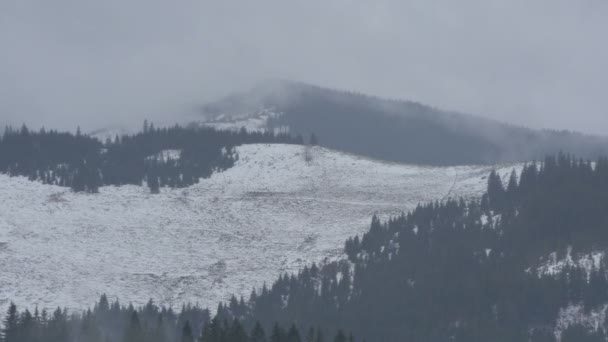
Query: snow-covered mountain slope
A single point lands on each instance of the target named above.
(272, 212)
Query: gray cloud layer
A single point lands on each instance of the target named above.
(542, 63)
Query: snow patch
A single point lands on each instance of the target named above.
(256, 122)
(490, 221)
(554, 266)
(576, 315)
(166, 155)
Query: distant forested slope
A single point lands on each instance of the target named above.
(174, 157)
(401, 131)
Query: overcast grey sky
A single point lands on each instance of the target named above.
(541, 63)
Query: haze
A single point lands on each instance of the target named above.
(98, 63)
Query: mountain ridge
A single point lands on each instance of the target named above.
(403, 131)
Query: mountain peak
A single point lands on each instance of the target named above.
(396, 130)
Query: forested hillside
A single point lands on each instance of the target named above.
(510, 266)
(173, 157)
(464, 270)
(112, 322)
(279, 208)
(400, 131)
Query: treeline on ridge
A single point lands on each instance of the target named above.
(84, 163)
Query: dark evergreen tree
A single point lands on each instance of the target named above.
(496, 191)
(187, 335)
(313, 141)
(257, 334)
(153, 184)
(293, 335)
(278, 334)
(134, 332)
(89, 330)
(57, 327)
(10, 330)
(340, 337)
(237, 333)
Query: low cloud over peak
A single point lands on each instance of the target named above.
(94, 63)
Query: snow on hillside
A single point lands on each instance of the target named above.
(553, 265)
(258, 121)
(166, 155)
(111, 132)
(272, 212)
(593, 320)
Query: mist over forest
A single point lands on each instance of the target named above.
(303, 171)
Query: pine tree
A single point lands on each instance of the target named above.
(89, 331)
(319, 336)
(257, 333)
(512, 187)
(212, 331)
(27, 326)
(237, 332)
(153, 184)
(58, 327)
(133, 332)
(496, 191)
(159, 334)
(278, 334)
(340, 337)
(11, 324)
(293, 335)
(103, 305)
(187, 335)
(313, 141)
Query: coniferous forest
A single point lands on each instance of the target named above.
(463, 270)
(84, 163)
(457, 270)
(110, 321)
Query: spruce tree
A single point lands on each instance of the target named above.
(310, 336)
(187, 335)
(237, 333)
(10, 330)
(313, 141)
(133, 331)
(257, 333)
(496, 191)
(319, 336)
(153, 184)
(278, 334)
(293, 335)
(340, 337)
(159, 333)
